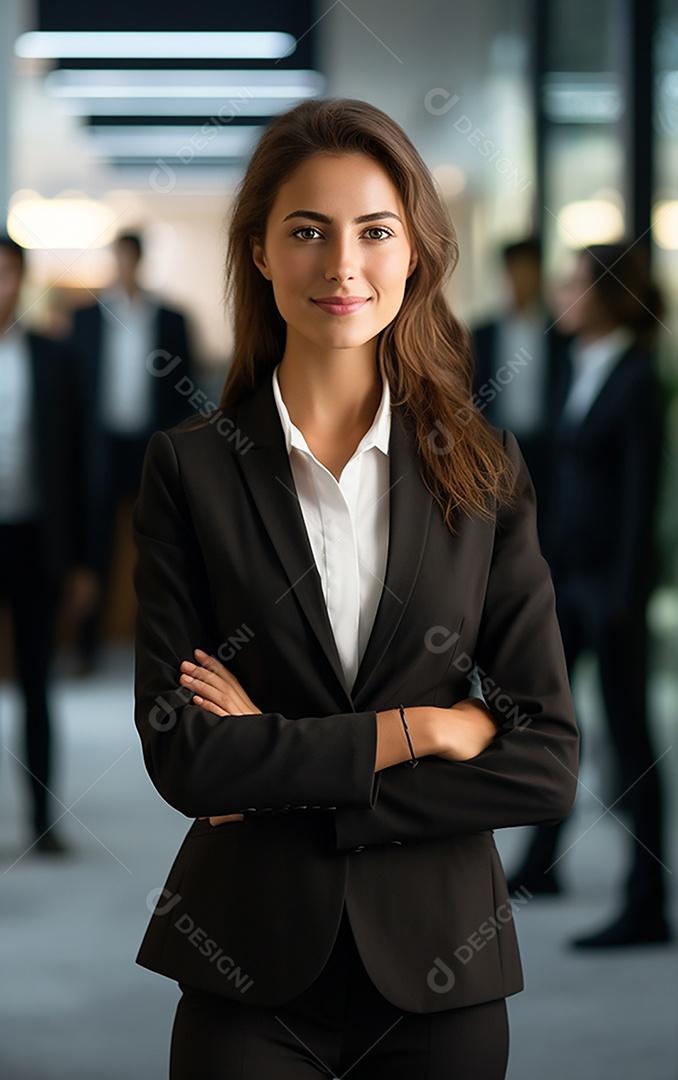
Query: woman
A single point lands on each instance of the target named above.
(322, 562)
(599, 538)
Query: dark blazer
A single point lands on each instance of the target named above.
(170, 336)
(225, 564)
(169, 405)
(605, 482)
(58, 451)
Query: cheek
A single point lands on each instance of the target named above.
(292, 269)
(391, 269)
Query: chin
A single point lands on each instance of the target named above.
(342, 340)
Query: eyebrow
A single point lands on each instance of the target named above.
(313, 215)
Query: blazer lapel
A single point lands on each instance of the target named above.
(266, 469)
(409, 518)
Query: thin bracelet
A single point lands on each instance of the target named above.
(414, 760)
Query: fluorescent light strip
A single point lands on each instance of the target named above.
(226, 90)
(73, 82)
(228, 106)
(172, 143)
(143, 44)
(123, 92)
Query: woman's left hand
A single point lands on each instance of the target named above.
(217, 691)
(214, 688)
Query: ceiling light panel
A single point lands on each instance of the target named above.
(161, 44)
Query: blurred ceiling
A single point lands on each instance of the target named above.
(165, 78)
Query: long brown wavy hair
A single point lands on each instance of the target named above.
(425, 351)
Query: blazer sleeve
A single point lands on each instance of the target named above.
(200, 763)
(528, 773)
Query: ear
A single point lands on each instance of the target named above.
(414, 259)
(259, 257)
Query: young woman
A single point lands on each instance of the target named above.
(323, 563)
(599, 537)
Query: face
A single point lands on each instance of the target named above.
(337, 252)
(11, 273)
(127, 259)
(524, 276)
(577, 305)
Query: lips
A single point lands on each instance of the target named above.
(341, 305)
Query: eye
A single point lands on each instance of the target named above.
(303, 232)
(378, 232)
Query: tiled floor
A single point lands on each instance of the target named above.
(73, 1004)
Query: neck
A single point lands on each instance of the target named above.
(594, 333)
(7, 322)
(330, 389)
(527, 307)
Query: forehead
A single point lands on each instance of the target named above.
(356, 183)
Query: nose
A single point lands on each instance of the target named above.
(341, 260)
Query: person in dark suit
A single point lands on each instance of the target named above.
(517, 362)
(599, 539)
(126, 344)
(44, 526)
(325, 564)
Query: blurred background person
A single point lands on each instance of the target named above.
(599, 537)
(515, 376)
(43, 523)
(132, 351)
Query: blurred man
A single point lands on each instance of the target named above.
(516, 356)
(133, 352)
(44, 521)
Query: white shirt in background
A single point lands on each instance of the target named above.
(520, 405)
(128, 329)
(592, 366)
(348, 526)
(19, 497)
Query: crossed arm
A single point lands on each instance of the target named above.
(218, 751)
(458, 733)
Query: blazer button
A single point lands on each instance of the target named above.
(361, 848)
(330, 808)
(397, 842)
(300, 808)
(248, 810)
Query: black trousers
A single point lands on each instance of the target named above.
(340, 1025)
(32, 597)
(621, 648)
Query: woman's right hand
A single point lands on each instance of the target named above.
(464, 730)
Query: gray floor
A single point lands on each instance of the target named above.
(73, 1003)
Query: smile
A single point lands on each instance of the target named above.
(341, 305)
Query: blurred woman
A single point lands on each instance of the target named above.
(599, 540)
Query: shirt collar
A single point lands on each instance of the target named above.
(598, 354)
(115, 296)
(378, 434)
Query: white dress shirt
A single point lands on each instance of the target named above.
(348, 526)
(592, 366)
(521, 404)
(128, 338)
(19, 500)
